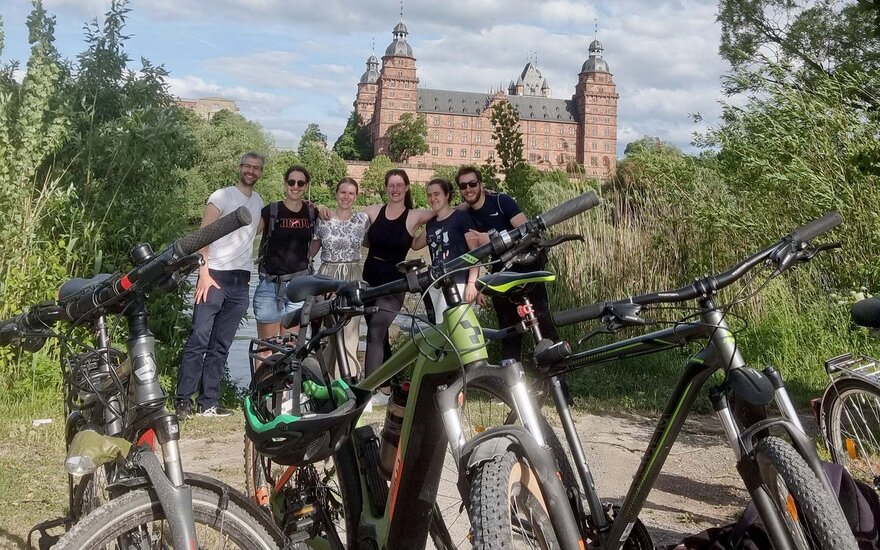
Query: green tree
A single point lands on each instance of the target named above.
(372, 185)
(508, 138)
(326, 167)
(408, 137)
(312, 135)
(769, 41)
(354, 143)
(219, 143)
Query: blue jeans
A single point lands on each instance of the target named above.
(214, 324)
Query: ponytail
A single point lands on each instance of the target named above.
(407, 200)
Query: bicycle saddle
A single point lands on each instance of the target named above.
(496, 284)
(75, 286)
(867, 313)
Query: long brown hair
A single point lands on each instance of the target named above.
(407, 199)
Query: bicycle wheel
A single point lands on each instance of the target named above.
(507, 509)
(487, 404)
(136, 520)
(852, 428)
(811, 516)
(293, 494)
(90, 492)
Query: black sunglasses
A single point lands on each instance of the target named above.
(298, 183)
(464, 185)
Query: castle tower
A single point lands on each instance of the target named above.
(596, 100)
(397, 88)
(365, 102)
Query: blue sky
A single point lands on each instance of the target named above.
(289, 63)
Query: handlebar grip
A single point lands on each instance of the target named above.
(569, 209)
(586, 313)
(319, 311)
(809, 231)
(198, 240)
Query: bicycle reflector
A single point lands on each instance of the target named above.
(89, 449)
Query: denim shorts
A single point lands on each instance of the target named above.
(266, 304)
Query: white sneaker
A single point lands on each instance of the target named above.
(214, 411)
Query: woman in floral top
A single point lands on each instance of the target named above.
(341, 238)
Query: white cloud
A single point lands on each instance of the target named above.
(249, 101)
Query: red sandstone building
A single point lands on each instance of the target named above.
(557, 133)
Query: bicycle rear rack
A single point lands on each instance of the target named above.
(860, 366)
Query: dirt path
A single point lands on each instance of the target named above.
(698, 488)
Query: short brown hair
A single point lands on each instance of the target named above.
(469, 169)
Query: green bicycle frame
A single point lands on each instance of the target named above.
(437, 355)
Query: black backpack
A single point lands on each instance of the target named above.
(859, 501)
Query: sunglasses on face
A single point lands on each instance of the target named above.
(297, 183)
(465, 184)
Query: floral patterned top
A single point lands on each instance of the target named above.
(341, 241)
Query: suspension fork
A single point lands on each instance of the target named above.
(148, 396)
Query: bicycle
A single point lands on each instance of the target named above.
(119, 412)
(785, 480)
(849, 414)
(404, 513)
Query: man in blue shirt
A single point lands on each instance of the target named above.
(491, 210)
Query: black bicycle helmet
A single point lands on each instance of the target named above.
(325, 420)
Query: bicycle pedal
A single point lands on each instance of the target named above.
(46, 540)
(367, 442)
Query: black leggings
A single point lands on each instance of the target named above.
(378, 345)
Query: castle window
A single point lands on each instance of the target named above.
(464, 138)
(449, 151)
(607, 132)
(435, 135)
(531, 126)
(436, 121)
(476, 153)
(560, 130)
(490, 154)
(451, 122)
(595, 146)
(434, 151)
(478, 123)
(478, 138)
(464, 124)
(462, 153)
(546, 143)
(594, 161)
(607, 146)
(532, 157)
(593, 130)
(571, 130)
(533, 142)
(450, 136)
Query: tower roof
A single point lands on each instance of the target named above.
(595, 63)
(371, 75)
(531, 80)
(399, 47)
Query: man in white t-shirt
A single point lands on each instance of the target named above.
(221, 297)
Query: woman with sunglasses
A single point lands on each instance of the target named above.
(287, 228)
(340, 237)
(390, 237)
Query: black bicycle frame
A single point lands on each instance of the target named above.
(720, 353)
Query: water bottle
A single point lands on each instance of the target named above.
(392, 427)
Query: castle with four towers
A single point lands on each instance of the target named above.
(557, 133)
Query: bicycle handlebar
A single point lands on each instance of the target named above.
(19, 330)
(501, 244)
(712, 283)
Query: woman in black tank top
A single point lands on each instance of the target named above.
(390, 237)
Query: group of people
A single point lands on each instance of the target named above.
(294, 230)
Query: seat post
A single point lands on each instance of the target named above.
(526, 312)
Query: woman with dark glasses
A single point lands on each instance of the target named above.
(288, 228)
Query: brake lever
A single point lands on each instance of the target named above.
(556, 241)
(811, 252)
